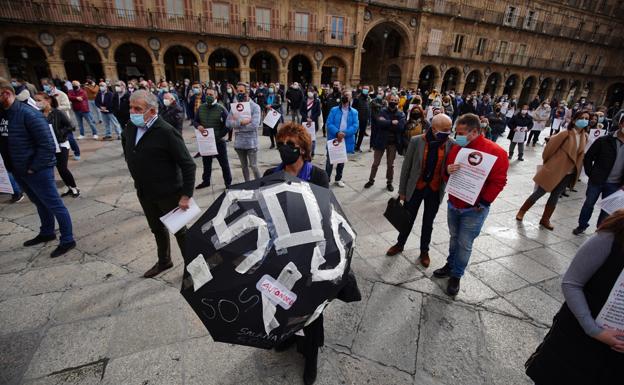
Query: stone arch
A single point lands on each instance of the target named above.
(300, 69)
(386, 43)
(223, 64)
(133, 61)
(511, 85)
(334, 68)
(615, 93)
(82, 59)
(180, 63)
(451, 79)
(168, 44)
(26, 59)
(573, 90)
(526, 92)
(264, 67)
(473, 80)
(560, 88)
(544, 88)
(401, 28)
(492, 83)
(428, 78)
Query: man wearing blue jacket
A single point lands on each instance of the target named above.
(28, 151)
(342, 124)
(104, 104)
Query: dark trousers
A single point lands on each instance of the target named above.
(222, 158)
(41, 191)
(61, 167)
(361, 133)
(330, 167)
(591, 197)
(153, 210)
(534, 136)
(432, 203)
(554, 194)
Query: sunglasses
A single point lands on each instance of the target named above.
(290, 144)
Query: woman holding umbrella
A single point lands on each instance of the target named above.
(295, 148)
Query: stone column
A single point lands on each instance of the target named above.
(461, 83)
(316, 77)
(244, 74)
(357, 53)
(57, 68)
(204, 72)
(110, 70)
(283, 75)
(437, 83)
(4, 68)
(500, 86)
(550, 90)
(159, 70)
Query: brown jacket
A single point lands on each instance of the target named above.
(92, 91)
(560, 156)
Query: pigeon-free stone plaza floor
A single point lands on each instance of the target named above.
(90, 318)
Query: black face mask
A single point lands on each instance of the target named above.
(240, 97)
(288, 153)
(75, 88)
(497, 110)
(344, 100)
(393, 105)
(336, 90)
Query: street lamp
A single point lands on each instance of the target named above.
(300, 67)
(385, 34)
(132, 57)
(80, 54)
(180, 59)
(224, 62)
(24, 53)
(427, 75)
(264, 64)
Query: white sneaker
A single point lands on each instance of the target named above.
(80, 137)
(339, 183)
(95, 137)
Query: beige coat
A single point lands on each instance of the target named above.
(560, 156)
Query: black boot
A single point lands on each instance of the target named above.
(310, 368)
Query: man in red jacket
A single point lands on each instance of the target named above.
(465, 220)
(80, 104)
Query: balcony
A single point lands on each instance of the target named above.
(47, 12)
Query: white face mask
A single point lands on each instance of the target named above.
(310, 95)
(117, 88)
(167, 102)
(103, 89)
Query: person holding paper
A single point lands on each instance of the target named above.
(273, 102)
(342, 124)
(604, 165)
(580, 349)
(563, 159)
(29, 153)
(465, 220)
(246, 129)
(310, 112)
(162, 169)
(388, 138)
(213, 115)
(62, 126)
(519, 124)
(540, 117)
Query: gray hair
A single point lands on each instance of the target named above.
(243, 84)
(150, 99)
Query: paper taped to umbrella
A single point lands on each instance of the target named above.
(266, 259)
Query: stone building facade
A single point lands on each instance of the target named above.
(555, 48)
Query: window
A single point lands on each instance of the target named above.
(221, 13)
(459, 43)
(501, 51)
(581, 25)
(75, 4)
(569, 61)
(175, 7)
(481, 44)
(598, 63)
(520, 54)
(530, 20)
(337, 27)
(125, 8)
(595, 31)
(584, 62)
(263, 19)
(302, 25)
(435, 37)
(511, 16)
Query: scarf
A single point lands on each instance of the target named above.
(304, 174)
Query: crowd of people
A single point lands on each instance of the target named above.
(428, 129)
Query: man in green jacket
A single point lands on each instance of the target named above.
(213, 115)
(162, 169)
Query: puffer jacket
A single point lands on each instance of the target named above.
(31, 146)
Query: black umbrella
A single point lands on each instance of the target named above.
(265, 259)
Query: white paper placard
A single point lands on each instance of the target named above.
(206, 142)
(337, 151)
(5, 182)
(538, 126)
(611, 315)
(466, 183)
(594, 134)
(199, 271)
(556, 124)
(241, 110)
(311, 129)
(272, 118)
(613, 202)
(177, 218)
(519, 135)
(56, 145)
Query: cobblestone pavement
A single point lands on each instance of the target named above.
(90, 318)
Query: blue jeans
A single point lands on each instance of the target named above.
(73, 144)
(329, 167)
(16, 188)
(109, 120)
(222, 158)
(591, 197)
(95, 111)
(87, 116)
(41, 191)
(464, 226)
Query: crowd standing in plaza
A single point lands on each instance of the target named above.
(430, 129)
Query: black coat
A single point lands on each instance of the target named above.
(600, 158)
(61, 125)
(362, 105)
(497, 123)
(174, 115)
(295, 96)
(519, 121)
(159, 163)
(120, 107)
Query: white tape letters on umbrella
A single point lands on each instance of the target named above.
(288, 277)
(337, 220)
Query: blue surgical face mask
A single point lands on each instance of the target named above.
(461, 140)
(137, 120)
(581, 123)
(365, 92)
(47, 88)
(600, 119)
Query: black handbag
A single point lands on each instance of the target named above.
(398, 215)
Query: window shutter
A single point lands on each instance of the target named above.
(313, 22)
(251, 15)
(234, 13)
(188, 7)
(347, 29)
(138, 4)
(328, 26)
(160, 6)
(435, 37)
(291, 24)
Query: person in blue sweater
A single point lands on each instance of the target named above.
(28, 151)
(342, 124)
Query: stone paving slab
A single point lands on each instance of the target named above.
(90, 318)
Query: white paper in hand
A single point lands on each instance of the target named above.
(177, 218)
(613, 202)
(272, 118)
(5, 183)
(311, 129)
(337, 151)
(594, 134)
(611, 315)
(56, 145)
(467, 182)
(206, 143)
(519, 135)
(241, 110)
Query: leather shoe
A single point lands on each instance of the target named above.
(394, 250)
(578, 230)
(424, 258)
(453, 286)
(157, 269)
(443, 272)
(62, 249)
(202, 185)
(390, 187)
(369, 184)
(40, 239)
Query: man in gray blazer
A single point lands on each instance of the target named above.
(422, 179)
